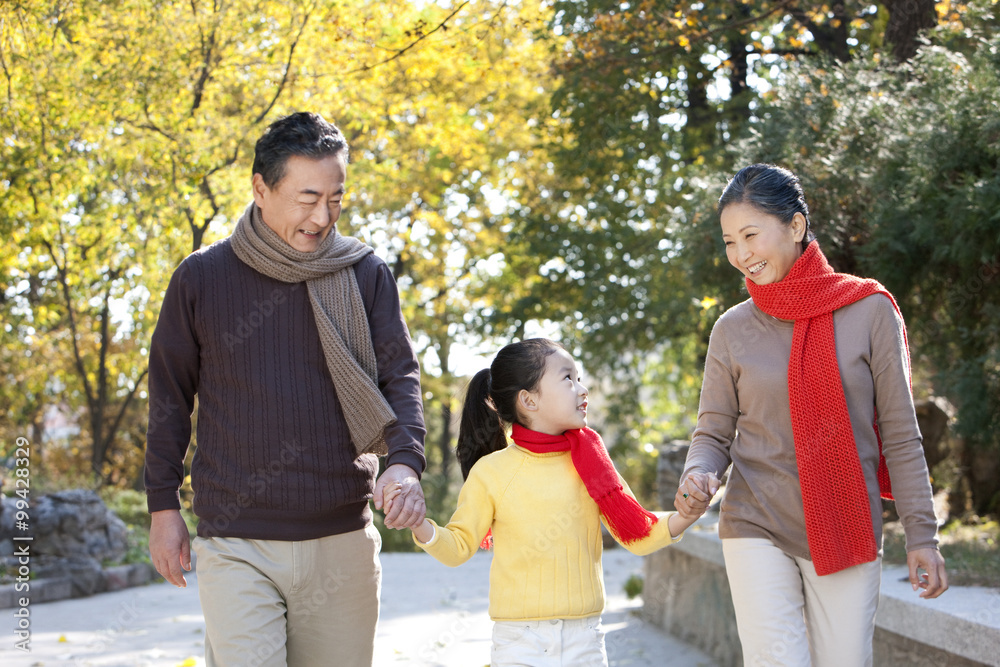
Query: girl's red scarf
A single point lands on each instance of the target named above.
(834, 495)
(625, 516)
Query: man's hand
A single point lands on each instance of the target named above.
(407, 509)
(934, 579)
(170, 546)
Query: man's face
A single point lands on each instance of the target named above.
(304, 205)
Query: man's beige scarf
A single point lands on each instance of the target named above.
(340, 317)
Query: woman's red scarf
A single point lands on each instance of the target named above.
(834, 495)
(625, 516)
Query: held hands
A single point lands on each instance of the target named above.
(691, 500)
(424, 530)
(407, 509)
(695, 493)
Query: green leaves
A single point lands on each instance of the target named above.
(900, 167)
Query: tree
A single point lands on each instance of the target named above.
(127, 130)
(652, 96)
(437, 144)
(66, 209)
(899, 164)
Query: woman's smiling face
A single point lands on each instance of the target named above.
(760, 245)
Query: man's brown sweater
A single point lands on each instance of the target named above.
(274, 458)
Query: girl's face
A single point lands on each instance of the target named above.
(559, 402)
(758, 244)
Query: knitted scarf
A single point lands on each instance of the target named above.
(625, 516)
(340, 317)
(834, 495)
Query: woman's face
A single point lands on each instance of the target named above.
(758, 244)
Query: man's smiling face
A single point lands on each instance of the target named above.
(303, 207)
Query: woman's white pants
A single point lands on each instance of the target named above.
(787, 615)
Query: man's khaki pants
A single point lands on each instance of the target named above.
(269, 602)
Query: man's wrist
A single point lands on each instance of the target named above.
(408, 459)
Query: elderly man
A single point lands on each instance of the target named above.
(291, 337)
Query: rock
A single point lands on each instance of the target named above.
(933, 417)
(669, 468)
(85, 573)
(77, 523)
(74, 535)
(7, 509)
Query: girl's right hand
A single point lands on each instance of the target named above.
(695, 493)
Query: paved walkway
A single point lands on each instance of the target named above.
(432, 616)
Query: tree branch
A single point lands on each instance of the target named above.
(399, 53)
(78, 358)
(206, 69)
(121, 413)
(704, 34)
(288, 69)
(7, 75)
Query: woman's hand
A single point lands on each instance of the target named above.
(933, 579)
(695, 493)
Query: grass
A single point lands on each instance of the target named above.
(633, 586)
(971, 550)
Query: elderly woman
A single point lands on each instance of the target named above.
(807, 394)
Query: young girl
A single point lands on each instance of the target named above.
(543, 499)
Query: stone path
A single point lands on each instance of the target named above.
(432, 616)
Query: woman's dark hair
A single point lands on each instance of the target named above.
(771, 189)
(491, 398)
(303, 133)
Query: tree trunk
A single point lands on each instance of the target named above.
(444, 442)
(700, 130)
(831, 36)
(738, 105)
(907, 18)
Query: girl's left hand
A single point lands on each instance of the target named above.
(695, 493)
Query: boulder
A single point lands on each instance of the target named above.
(669, 467)
(74, 535)
(76, 523)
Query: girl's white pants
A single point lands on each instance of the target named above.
(571, 642)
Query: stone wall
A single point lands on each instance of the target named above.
(77, 546)
(686, 593)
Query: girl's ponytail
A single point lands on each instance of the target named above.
(481, 431)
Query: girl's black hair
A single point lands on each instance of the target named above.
(771, 189)
(491, 398)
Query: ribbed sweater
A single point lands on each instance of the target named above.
(744, 418)
(547, 540)
(274, 458)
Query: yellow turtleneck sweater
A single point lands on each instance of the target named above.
(546, 535)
